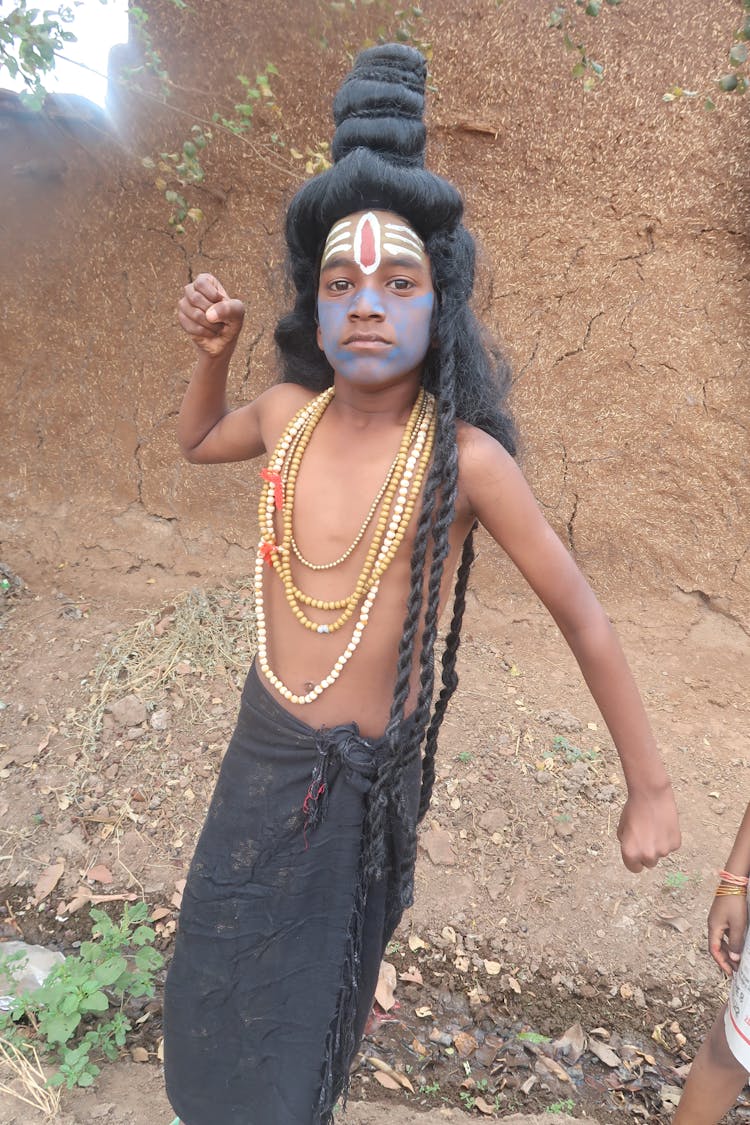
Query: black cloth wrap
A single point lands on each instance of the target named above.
(281, 935)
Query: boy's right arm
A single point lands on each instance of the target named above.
(207, 430)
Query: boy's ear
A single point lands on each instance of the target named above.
(319, 337)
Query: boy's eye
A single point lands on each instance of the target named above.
(401, 283)
(340, 285)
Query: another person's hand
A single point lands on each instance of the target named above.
(649, 828)
(727, 923)
(211, 318)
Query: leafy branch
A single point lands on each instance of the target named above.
(30, 43)
(560, 19)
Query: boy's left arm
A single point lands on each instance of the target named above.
(502, 501)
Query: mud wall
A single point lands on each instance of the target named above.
(615, 269)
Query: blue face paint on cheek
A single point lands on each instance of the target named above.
(411, 320)
(406, 323)
(332, 319)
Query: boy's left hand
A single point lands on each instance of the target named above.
(649, 828)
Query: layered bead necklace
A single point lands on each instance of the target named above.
(396, 499)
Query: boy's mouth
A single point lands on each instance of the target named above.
(366, 339)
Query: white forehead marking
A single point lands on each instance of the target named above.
(344, 224)
(335, 239)
(404, 230)
(402, 240)
(398, 250)
(372, 220)
(342, 246)
(338, 241)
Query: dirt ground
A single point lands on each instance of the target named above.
(519, 865)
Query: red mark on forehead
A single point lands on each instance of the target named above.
(367, 244)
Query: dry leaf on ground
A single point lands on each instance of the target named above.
(386, 986)
(411, 976)
(100, 874)
(48, 880)
(484, 1107)
(604, 1053)
(384, 1069)
(571, 1044)
(545, 1067)
(387, 1081)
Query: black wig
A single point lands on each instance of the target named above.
(378, 151)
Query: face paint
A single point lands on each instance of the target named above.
(367, 238)
(375, 318)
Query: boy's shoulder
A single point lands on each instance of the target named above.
(475, 445)
(280, 403)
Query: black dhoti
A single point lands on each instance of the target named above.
(281, 934)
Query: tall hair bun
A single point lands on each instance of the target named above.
(380, 106)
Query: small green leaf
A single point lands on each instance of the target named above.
(60, 1028)
(108, 972)
(578, 70)
(594, 7)
(709, 104)
(738, 54)
(728, 83)
(96, 1002)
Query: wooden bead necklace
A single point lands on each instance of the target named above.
(398, 496)
(368, 518)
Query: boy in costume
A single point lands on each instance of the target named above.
(388, 441)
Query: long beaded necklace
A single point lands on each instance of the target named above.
(398, 496)
(411, 429)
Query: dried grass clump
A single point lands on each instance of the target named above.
(202, 632)
(27, 1081)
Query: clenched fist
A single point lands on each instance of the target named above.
(211, 318)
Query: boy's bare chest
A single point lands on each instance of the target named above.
(340, 495)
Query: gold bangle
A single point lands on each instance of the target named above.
(723, 890)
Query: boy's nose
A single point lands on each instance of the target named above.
(366, 303)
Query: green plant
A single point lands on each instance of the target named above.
(573, 753)
(432, 1089)
(560, 20)
(467, 1098)
(532, 1037)
(562, 1105)
(465, 756)
(676, 880)
(152, 60)
(30, 42)
(79, 1009)
(183, 169)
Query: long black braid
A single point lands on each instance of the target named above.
(378, 151)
